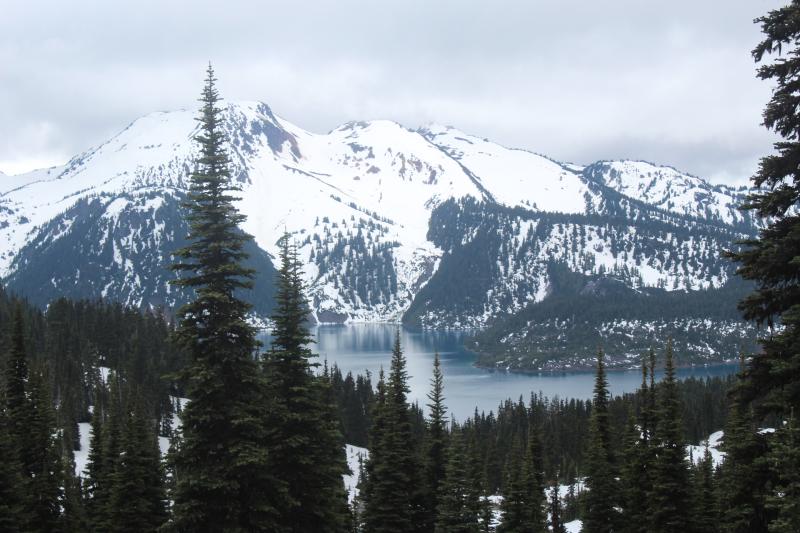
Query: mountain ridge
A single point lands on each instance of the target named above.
(359, 200)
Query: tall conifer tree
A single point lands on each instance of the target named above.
(670, 505)
(138, 500)
(772, 378)
(556, 513)
(10, 477)
(773, 374)
(533, 472)
(784, 460)
(602, 497)
(454, 513)
(392, 473)
(705, 504)
(436, 444)
(45, 484)
(307, 450)
(744, 472)
(222, 468)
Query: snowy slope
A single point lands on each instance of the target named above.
(516, 177)
(670, 189)
(358, 201)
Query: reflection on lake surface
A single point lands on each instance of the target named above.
(363, 347)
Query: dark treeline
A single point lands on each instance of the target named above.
(74, 339)
(563, 423)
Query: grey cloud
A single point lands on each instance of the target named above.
(579, 81)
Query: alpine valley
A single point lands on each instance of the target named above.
(432, 227)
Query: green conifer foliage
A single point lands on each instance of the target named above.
(44, 486)
(784, 460)
(744, 472)
(705, 504)
(556, 513)
(307, 450)
(533, 473)
(436, 443)
(393, 464)
(602, 497)
(773, 375)
(514, 507)
(670, 504)
(454, 512)
(138, 500)
(223, 478)
(635, 481)
(10, 476)
(96, 494)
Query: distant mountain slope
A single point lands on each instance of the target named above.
(390, 221)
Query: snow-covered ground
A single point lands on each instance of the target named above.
(696, 452)
(378, 179)
(355, 455)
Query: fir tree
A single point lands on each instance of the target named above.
(742, 475)
(601, 498)
(454, 513)
(307, 452)
(554, 507)
(436, 444)
(670, 506)
(73, 515)
(44, 486)
(784, 461)
(17, 404)
(533, 473)
(773, 374)
(514, 505)
(223, 478)
(138, 497)
(96, 494)
(389, 505)
(636, 482)
(705, 505)
(10, 477)
(14, 416)
(772, 378)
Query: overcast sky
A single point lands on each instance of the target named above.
(669, 82)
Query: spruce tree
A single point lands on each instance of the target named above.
(10, 477)
(556, 514)
(705, 505)
(44, 486)
(602, 495)
(744, 473)
(17, 387)
(96, 494)
(784, 461)
(533, 473)
(372, 496)
(392, 471)
(138, 500)
(454, 513)
(14, 441)
(514, 507)
(670, 504)
(436, 444)
(307, 450)
(223, 478)
(635, 478)
(772, 378)
(773, 375)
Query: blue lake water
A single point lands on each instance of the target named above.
(363, 347)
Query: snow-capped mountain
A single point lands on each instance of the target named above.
(359, 201)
